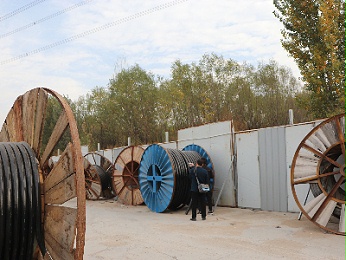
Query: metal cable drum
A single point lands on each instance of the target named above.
(40, 203)
(163, 177)
(319, 162)
(98, 172)
(125, 178)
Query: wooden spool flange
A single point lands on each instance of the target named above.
(98, 174)
(62, 183)
(125, 178)
(319, 162)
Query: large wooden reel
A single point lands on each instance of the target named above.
(320, 163)
(98, 174)
(125, 178)
(62, 183)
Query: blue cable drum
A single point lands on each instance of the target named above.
(156, 178)
(164, 176)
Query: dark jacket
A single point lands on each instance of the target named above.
(210, 172)
(202, 176)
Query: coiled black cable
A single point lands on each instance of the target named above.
(104, 178)
(20, 205)
(180, 161)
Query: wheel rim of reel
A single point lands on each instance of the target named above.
(319, 161)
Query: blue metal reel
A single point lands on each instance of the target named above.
(201, 151)
(156, 178)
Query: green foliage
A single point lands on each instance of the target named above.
(133, 98)
(140, 106)
(314, 35)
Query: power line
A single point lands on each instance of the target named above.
(44, 19)
(97, 29)
(19, 10)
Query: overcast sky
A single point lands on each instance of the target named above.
(55, 53)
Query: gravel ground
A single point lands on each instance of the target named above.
(116, 231)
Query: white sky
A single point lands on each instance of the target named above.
(241, 30)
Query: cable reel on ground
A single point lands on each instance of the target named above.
(41, 203)
(319, 162)
(125, 178)
(164, 176)
(98, 172)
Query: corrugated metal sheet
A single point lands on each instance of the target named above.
(273, 175)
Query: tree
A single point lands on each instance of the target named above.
(133, 99)
(314, 35)
(93, 118)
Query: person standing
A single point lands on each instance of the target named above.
(196, 197)
(211, 182)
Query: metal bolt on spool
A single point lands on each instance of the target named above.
(40, 203)
(319, 162)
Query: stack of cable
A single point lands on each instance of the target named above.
(20, 206)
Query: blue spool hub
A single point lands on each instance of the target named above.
(156, 178)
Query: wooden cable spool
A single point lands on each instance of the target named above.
(61, 188)
(98, 173)
(319, 164)
(125, 178)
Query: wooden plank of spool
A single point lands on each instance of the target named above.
(60, 223)
(4, 136)
(62, 169)
(39, 120)
(11, 123)
(28, 113)
(56, 251)
(62, 192)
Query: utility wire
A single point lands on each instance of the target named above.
(19, 10)
(97, 29)
(44, 19)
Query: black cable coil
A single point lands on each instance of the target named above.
(20, 204)
(180, 161)
(104, 177)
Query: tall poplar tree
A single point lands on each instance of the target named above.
(314, 35)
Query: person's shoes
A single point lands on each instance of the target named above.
(192, 219)
(203, 218)
(210, 213)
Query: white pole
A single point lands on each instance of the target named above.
(167, 138)
(290, 116)
(98, 147)
(128, 141)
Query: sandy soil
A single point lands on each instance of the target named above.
(116, 231)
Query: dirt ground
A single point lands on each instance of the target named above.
(116, 231)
